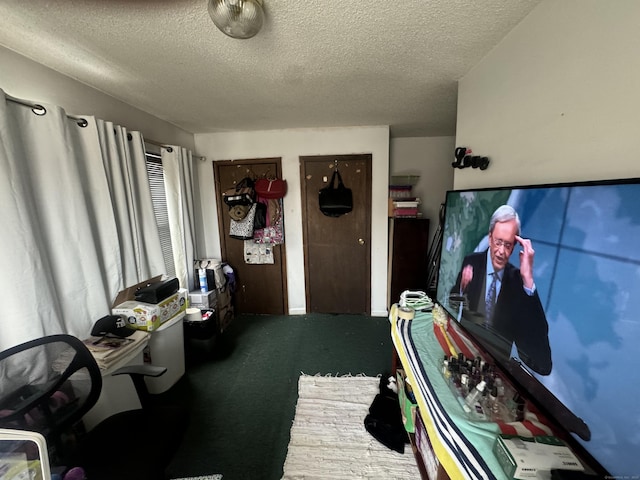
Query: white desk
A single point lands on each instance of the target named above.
(165, 349)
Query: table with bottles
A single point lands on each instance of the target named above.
(463, 401)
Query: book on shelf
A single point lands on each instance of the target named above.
(407, 203)
(399, 191)
(406, 208)
(406, 212)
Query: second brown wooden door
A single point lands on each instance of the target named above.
(337, 249)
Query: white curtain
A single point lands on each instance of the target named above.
(124, 160)
(61, 257)
(177, 165)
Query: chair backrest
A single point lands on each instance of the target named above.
(47, 385)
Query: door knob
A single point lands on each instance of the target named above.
(361, 241)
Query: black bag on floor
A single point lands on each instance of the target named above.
(384, 421)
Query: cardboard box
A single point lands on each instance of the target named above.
(528, 457)
(148, 316)
(224, 309)
(143, 316)
(203, 301)
(223, 304)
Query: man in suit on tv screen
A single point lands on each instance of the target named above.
(504, 298)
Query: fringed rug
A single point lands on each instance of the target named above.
(328, 438)
(206, 477)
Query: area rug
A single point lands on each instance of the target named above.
(205, 477)
(328, 439)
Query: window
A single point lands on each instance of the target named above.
(159, 199)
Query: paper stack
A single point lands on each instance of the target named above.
(109, 350)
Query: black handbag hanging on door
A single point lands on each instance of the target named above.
(335, 200)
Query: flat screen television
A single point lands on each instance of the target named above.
(572, 342)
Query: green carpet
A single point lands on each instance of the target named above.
(242, 393)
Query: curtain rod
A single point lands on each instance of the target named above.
(170, 149)
(39, 110)
(158, 144)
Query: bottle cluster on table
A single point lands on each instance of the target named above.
(481, 391)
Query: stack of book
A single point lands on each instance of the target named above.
(402, 202)
(406, 208)
(398, 192)
(108, 350)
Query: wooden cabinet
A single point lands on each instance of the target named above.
(408, 256)
(428, 463)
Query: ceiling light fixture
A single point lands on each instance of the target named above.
(237, 18)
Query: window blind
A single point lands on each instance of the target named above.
(159, 199)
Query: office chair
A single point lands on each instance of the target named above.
(48, 384)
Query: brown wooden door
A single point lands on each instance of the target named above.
(260, 288)
(337, 249)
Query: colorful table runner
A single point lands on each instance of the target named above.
(463, 447)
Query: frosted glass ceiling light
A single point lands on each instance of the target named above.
(237, 18)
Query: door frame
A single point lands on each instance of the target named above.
(305, 234)
(218, 189)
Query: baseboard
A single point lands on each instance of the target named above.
(302, 311)
(297, 311)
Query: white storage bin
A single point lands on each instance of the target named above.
(166, 349)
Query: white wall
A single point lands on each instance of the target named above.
(558, 99)
(28, 80)
(290, 145)
(23, 78)
(431, 158)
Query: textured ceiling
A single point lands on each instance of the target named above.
(314, 64)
